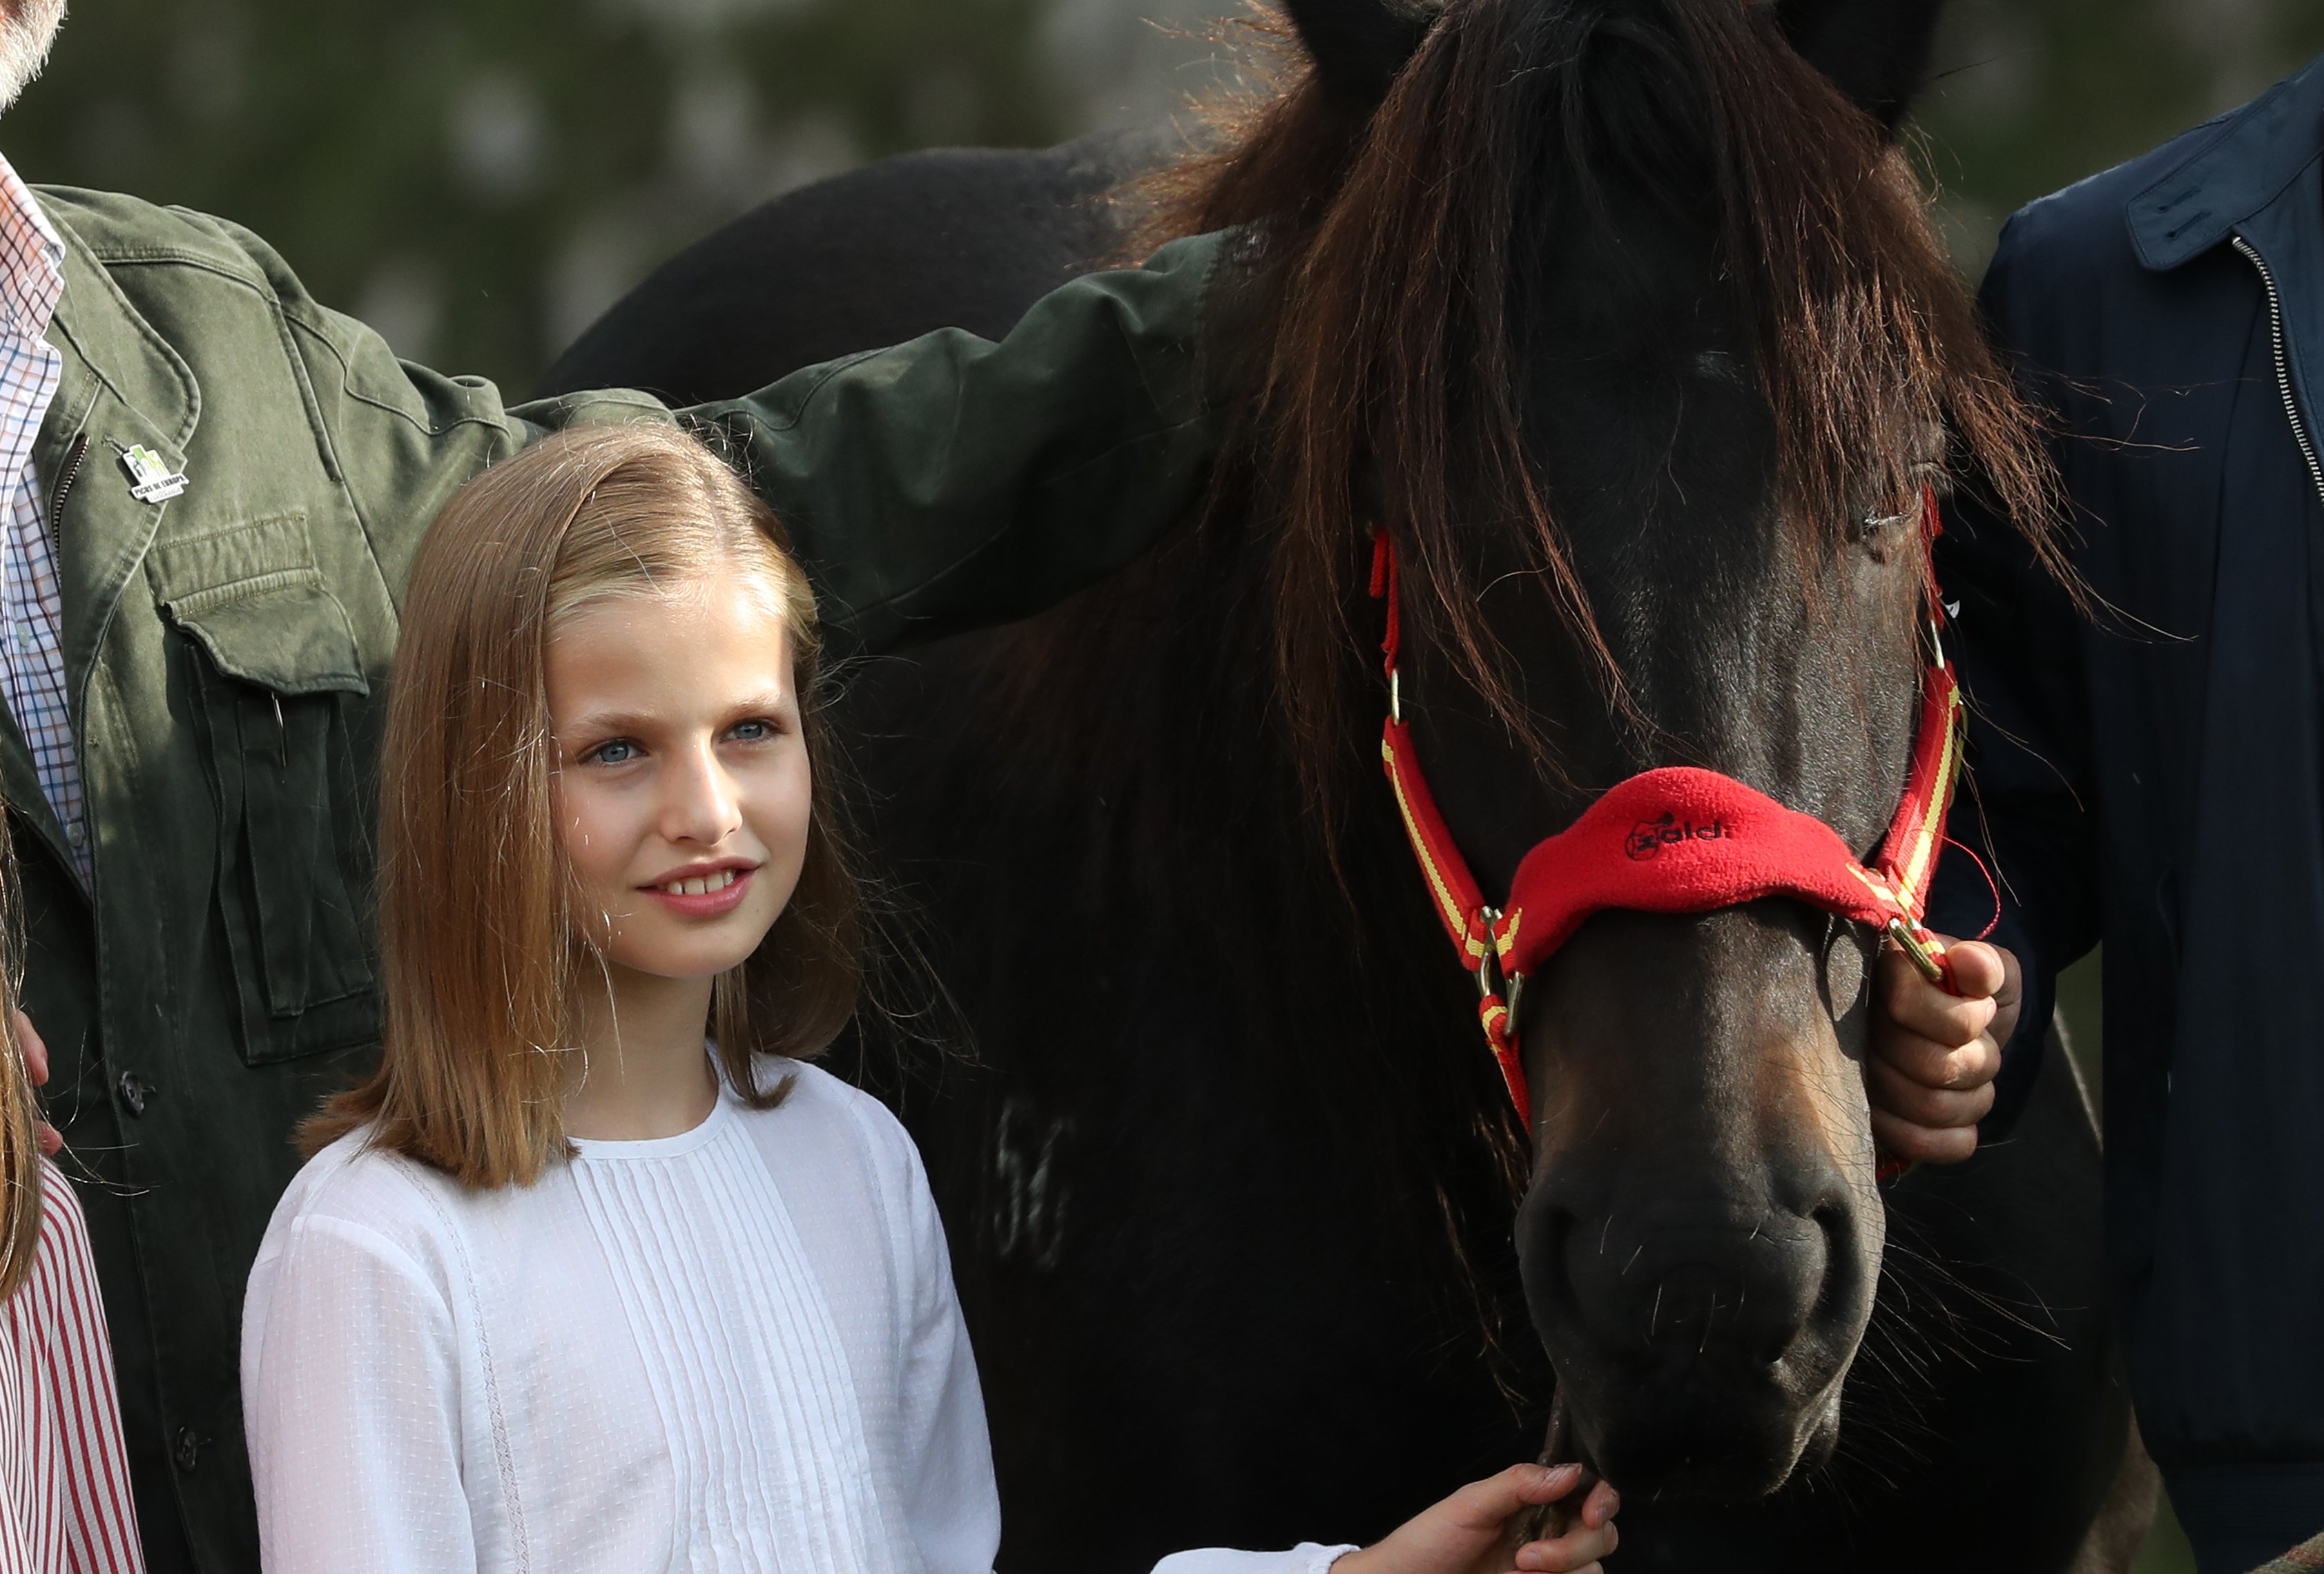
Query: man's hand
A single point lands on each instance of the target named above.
(36, 1068)
(1469, 1531)
(1934, 1055)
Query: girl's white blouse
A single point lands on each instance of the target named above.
(733, 1351)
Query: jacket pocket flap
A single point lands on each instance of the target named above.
(291, 636)
(253, 598)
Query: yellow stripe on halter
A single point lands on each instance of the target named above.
(1913, 872)
(1447, 904)
(1881, 889)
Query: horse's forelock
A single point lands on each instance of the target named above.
(1382, 338)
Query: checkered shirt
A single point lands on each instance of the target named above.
(31, 653)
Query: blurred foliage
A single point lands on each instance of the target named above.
(480, 178)
(2029, 96)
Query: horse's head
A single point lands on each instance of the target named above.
(1624, 319)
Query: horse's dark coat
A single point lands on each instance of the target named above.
(986, 231)
(1200, 1182)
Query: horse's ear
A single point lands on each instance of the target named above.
(1359, 45)
(1875, 51)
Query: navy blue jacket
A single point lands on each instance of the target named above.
(2151, 776)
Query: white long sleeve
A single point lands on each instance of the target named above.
(360, 1354)
(950, 1498)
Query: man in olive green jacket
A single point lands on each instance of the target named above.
(236, 480)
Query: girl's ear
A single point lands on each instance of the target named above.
(1875, 51)
(1359, 45)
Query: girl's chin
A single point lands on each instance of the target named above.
(676, 971)
(693, 956)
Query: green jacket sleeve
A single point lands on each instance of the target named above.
(952, 483)
(937, 486)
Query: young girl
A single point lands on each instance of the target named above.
(567, 1288)
(64, 1481)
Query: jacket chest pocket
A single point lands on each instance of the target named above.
(282, 705)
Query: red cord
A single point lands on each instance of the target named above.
(1995, 921)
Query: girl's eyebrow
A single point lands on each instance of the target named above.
(622, 722)
(612, 722)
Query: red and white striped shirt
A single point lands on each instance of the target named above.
(65, 1506)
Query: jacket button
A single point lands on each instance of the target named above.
(135, 1091)
(187, 1450)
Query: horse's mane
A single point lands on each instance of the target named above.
(1382, 330)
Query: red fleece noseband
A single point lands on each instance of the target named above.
(1675, 840)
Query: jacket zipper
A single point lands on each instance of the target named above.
(73, 457)
(2283, 365)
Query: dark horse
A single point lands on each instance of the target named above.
(1622, 318)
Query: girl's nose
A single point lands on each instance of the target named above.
(701, 804)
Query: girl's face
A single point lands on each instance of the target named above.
(682, 788)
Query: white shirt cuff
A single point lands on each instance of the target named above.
(1306, 1557)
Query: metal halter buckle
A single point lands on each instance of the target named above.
(1489, 966)
(1492, 980)
(1926, 958)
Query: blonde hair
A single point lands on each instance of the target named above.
(20, 1110)
(479, 908)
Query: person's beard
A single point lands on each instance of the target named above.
(27, 29)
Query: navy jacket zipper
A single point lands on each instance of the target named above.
(2284, 364)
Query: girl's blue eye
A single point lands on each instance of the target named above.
(753, 731)
(619, 751)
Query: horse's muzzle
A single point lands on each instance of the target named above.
(1701, 1334)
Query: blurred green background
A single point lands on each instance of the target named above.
(2029, 96)
(480, 178)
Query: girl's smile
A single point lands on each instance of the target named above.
(704, 891)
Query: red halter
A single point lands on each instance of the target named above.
(1676, 840)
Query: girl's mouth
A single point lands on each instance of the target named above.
(703, 895)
